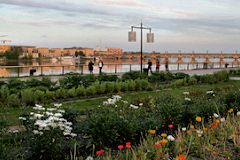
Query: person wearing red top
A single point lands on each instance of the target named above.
(157, 66)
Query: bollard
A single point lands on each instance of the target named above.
(115, 68)
(18, 72)
(178, 67)
(130, 67)
(81, 69)
(41, 70)
(188, 66)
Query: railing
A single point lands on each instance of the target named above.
(21, 71)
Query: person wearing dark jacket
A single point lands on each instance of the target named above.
(149, 66)
(90, 66)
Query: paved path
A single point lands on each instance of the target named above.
(190, 72)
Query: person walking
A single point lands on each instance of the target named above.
(100, 65)
(90, 66)
(166, 65)
(150, 66)
(157, 65)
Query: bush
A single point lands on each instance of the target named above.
(90, 91)
(28, 97)
(80, 91)
(221, 76)
(61, 93)
(105, 77)
(13, 101)
(49, 95)
(71, 92)
(124, 86)
(192, 81)
(4, 93)
(131, 85)
(109, 87)
(117, 86)
(132, 75)
(16, 84)
(141, 84)
(181, 76)
(40, 95)
(179, 82)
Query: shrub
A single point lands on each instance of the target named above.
(4, 93)
(131, 85)
(124, 86)
(132, 75)
(49, 95)
(192, 81)
(179, 82)
(80, 91)
(105, 77)
(13, 101)
(14, 83)
(141, 84)
(117, 86)
(28, 97)
(90, 91)
(71, 92)
(221, 76)
(181, 76)
(40, 95)
(109, 87)
(61, 93)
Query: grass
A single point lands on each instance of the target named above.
(83, 105)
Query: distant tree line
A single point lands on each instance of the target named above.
(80, 53)
(13, 54)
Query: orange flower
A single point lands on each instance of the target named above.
(199, 119)
(191, 126)
(181, 157)
(187, 132)
(230, 110)
(128, 144)
(218, 121)
(204, 128)
(164, 135)
(152, 131)
(214, 153)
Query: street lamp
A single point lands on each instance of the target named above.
(132, 37)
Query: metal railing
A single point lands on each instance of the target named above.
(21, 71)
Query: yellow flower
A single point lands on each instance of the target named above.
(230, 110)
(218, 121)
(191, 126)
(152, 131)
(163, 141)
(164, 135)
(199, 119)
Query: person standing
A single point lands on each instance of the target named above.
(90, 66)
(100, 65)
(150, 66)
(157, 65)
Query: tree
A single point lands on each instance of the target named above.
(80, 53)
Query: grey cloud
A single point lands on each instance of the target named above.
(52, 6)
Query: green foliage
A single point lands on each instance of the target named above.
(124, 86)
(90, 91)
(80, 91)
(13, 100)
(80, 53)
(40, 95)
(72, 93)
(192, 81)
(105, 77)
(61, 93)
(133, 75)
(28, 97)
(49, 95)
(4, 93)
(109, 87)
(131, 85)
(179, 82)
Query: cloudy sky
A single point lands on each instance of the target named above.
(185, 25)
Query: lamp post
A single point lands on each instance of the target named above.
(132, 37)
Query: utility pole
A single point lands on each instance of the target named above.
(132, 38)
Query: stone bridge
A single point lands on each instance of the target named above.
(192, 57)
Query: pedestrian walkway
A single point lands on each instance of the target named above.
(189, 72)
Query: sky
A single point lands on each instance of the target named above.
(178, 25)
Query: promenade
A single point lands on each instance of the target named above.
(189, 72)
